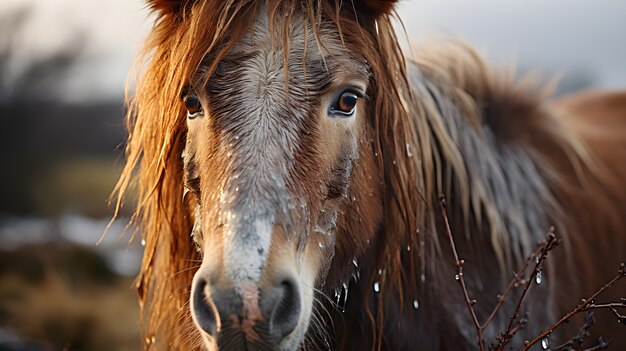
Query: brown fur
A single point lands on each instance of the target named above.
(556, 141)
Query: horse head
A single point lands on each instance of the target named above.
(281, 170)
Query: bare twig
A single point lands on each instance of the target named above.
(546, 246)
(603, 344)
(613, 307)
(579, 338)
(516, 323)
(515, 282)
(458, 264)
(585, 304)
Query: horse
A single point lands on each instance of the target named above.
(288, 159)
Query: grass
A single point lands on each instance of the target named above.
(65, 309)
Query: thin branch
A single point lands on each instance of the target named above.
(458, 264)
(611, 307)
(513, 284)
(515, 323)
(584, 304)
(546, 246)
(603, 344)
(579, 338)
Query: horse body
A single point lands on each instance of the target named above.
(313, 158)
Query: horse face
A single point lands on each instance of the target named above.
(280, 162)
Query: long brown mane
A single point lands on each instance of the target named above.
(445, 124)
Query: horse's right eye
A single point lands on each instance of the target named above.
(345, 104)
(193, 105)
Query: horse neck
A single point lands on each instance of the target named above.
(500, 203)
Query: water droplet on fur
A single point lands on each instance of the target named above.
(236, 137)
(457, 277)
(150, 340)
(355, 263)
(408, 150)
(377, 287)
(416, 304)
(394, 162)
(408, 247)
(321, 244)
(545, 342)
(354, 198)
(237, 189)
(380, 271)
(143, 242)
(538, 277)
(423, 277)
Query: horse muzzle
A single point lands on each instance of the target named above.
(249, 315)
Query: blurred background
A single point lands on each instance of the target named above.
(63, 64)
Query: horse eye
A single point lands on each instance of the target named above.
(345, 104)
(193, 105)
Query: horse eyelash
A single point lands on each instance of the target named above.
(192, 185)
(362, 95)
(184, 92)
(354, 89)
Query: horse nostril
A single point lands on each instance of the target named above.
(286, 313)
(201, 309)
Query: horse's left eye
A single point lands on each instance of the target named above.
(345, 104)
(193, 105)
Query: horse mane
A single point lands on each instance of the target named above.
(434, 134)
(475, 136)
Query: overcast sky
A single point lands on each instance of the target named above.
(553, 35)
